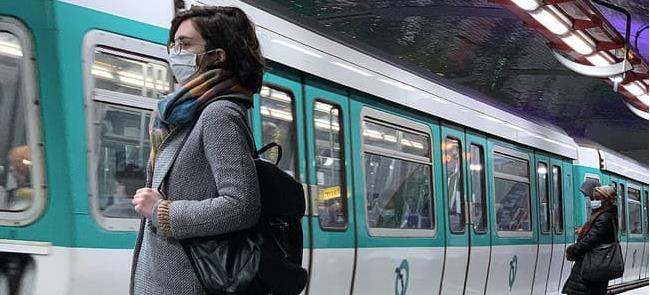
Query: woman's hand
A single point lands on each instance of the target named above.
(144, 200)
(569, 254)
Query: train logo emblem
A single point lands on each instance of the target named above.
(512, 275)
(401, 278)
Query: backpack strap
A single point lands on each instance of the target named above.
(267, 147)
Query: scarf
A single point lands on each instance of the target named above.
(184, 105)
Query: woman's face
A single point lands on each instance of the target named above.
(188, 38)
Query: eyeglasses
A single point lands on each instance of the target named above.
(177, 46)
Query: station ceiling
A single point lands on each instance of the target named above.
(482, 49)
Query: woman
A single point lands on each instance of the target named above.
(212, 186)
(598, 230)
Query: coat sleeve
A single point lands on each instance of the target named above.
(598, 234)
(227, 144)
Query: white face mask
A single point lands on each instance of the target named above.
(183, 64)
(596, 204)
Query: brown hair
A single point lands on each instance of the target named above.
(230, 29)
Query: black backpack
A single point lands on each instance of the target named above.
(266, 258)
(283, 206)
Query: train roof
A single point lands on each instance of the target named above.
(593, 155)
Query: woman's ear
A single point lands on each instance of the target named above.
(219, 56)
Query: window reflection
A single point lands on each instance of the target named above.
(398, 191)
(330, 169)
(558, 211)
(382, 136)
(453, 151)
(278, 126)
(122, 74)
(16, 188)
(121, 155)
(477, 172)
(634, 204)
(544, 208)
(512, 194)
(622, 225)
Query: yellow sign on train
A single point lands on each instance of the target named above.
(329, 193)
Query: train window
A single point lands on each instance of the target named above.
(479, 204)
(330, 166)
(129, 74)
(278, 125)
(121, 155)
(381, 136)
(125, 79)
(645, 210)
(622, 225)
(22, 193)
(512, 194)
(558, 199)
(452, 156)
(544, 208)
(398, 179)
(586, 202)
(634, 205)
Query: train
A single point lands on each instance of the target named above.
(412, 186)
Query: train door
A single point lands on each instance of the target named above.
(277, 109)
(399, 240)
(545, 237)
(619, 184)
(478, 227)
(513, 235)
(330, 189)
(557, 197)
(457, 252)
(635, 232)
(644, 257)
(569, 223)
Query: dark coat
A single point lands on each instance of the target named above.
(602, 231)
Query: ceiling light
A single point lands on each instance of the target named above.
(636, 88)
(579, 42)
(526, 4)
(552, 19)
(600, 59)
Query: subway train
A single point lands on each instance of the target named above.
(413, 187)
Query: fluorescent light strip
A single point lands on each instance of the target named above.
(552, 19)
(10, 49)
(296, 48)
(636, 88)
(529, 5)
(579, 42)
(600, 59)
(351, 68)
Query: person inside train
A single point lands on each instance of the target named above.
(599, 229)
(17, 192)
(211, 188)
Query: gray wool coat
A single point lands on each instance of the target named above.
(213, 189)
